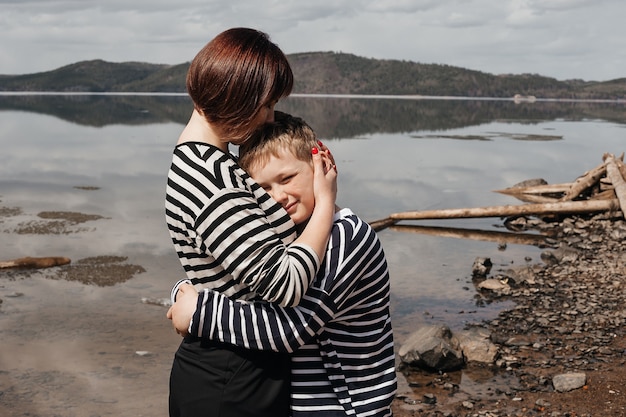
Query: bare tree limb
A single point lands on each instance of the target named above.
(587, 180)
(29, 262)
(614, 174)
(585, 206)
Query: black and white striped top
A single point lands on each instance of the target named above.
(229, 234)
(340, 334)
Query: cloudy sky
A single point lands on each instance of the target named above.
(563, 39)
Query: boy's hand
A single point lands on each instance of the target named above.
(182, 311)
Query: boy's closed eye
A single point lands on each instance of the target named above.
(287, 178)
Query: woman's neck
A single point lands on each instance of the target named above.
(198, 129)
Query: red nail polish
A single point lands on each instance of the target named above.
(319, 142)
(314, 151)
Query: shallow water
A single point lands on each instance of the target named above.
(109, 156)
(393, 156)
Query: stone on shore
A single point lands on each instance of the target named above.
(569, 381)
(476, 345)
(433, 348)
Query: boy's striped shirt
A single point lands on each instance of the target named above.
(340, 334)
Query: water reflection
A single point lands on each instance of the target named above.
(109, 155)
(332, 117)
(103, 110)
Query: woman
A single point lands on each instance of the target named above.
(340, 335)
(229, 234)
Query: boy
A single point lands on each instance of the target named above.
(340, 334)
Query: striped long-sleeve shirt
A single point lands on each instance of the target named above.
(229, 234)
(340, 334)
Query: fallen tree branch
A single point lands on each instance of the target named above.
(604, 195)
(585, 206)
(475, 234)
(588, 180)
(620, 164)
(537, 189)
(535, 198)
(382, 224)
(614, 174)
(29, 262)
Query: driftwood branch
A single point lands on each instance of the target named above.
(606, 183)
(614, 174)
(567, 207)
(604, 195)
(535, 198)
(475, 234)
(537, 189)
(588, 180)
(620, 164)
(382, 224)
(29, 262)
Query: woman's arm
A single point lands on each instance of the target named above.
(314, 237)
(225, 238)
(317, 230)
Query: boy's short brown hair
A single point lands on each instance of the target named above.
(286, 133)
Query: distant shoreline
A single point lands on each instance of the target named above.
(318, 95)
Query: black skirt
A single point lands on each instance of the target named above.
(212, 379)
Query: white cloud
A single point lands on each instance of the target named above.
(558, 38)
(400, 6)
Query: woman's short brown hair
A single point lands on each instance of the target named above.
(234, 76)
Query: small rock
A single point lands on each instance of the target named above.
(569, 381)
(481, 267)
(476, 345)
(430, 399)
(532, 182)
(163, 302)
(432, 348)
(410, 401)
(494, 285)
(542, 403)
(15, 294)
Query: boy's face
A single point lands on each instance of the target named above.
(290, 182)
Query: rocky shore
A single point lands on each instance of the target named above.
(567, 322)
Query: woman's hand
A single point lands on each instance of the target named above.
(324, 149)
(317, 230)
(324, 177)
(181, 312)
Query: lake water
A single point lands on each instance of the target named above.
(393, 155)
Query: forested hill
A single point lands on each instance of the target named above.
(322, 73)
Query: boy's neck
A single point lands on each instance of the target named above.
(300, 227)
